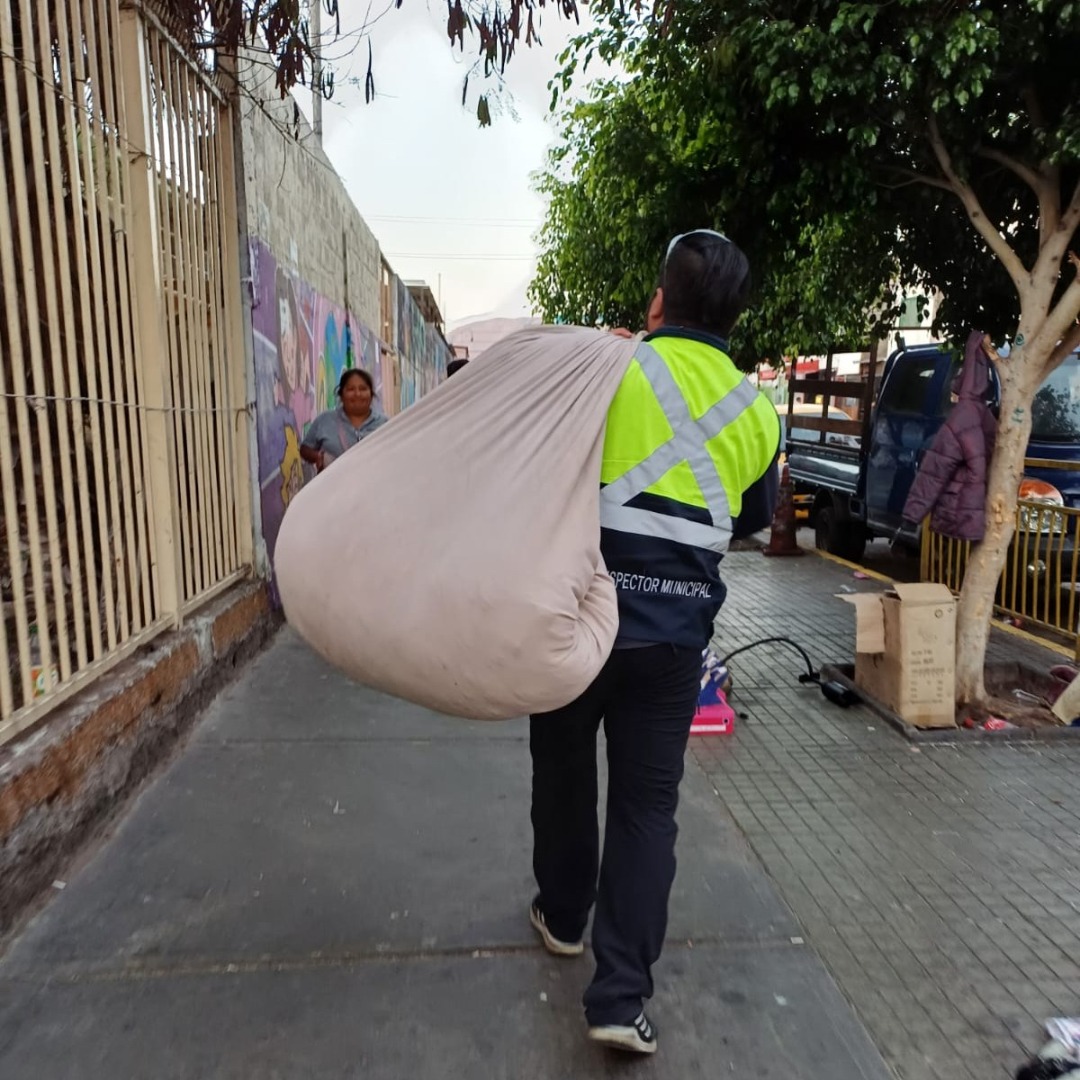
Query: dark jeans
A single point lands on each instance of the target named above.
(646, 698)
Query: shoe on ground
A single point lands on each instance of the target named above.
(638, 1037)
(551, 942)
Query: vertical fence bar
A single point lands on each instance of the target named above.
(127, 416)
(1035, 544)
(208, 311)
(68, 416)
(141, 563)
(98, 47)
(72, 76)
(1024, 563)
(163, 173)
(61, 339)
(8, 490)
(1072, 627)
(16, 79)
(1057, 541)
(53, 634)
(149, 309)
(184, 358)
(198, 429)
(96, 380)
(1014, 584)
(232, 377)
(210, 517)
(217, 391)
(235, 386)
(214, 135)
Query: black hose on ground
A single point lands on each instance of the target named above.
(836, 692)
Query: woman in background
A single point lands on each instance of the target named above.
(333, 432)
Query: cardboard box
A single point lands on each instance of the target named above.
(905, 651)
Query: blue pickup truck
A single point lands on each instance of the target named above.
(856, 489)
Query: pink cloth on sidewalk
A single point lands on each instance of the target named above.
(453, 558)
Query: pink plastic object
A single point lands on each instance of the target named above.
(715, 718)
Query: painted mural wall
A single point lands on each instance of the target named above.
(422, 352)
(302, 343)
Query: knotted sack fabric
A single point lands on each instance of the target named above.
(452, 558)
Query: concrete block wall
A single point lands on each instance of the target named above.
(313, 289)
(297, 205)
(315, 295)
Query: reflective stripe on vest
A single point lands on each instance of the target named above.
(688, 443)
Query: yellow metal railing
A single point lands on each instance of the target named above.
(123, 434)
(1039, 584)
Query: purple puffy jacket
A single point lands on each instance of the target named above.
(951, 480)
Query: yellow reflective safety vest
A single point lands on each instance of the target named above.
(689, 461)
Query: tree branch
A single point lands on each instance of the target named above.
(1029, 175)
(1070, 220)
(1041, 182)
(1053, 247)
(914, 177)
(964, 192)
(1060, 325)
(1069, 344)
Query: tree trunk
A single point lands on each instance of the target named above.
(1020, 378)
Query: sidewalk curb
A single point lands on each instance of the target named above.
(63, 780)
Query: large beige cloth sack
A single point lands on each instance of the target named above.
(453, 557)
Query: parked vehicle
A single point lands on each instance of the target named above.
(801, 433)
(857, 492)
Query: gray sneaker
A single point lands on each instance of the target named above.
(638, 1037)
(551, 942)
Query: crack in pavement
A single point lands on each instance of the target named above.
(104, 971)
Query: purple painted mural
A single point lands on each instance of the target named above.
(302, 344)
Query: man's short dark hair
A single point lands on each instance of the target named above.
(455, 366)
(706, 283)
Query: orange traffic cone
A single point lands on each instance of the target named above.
(782, 539)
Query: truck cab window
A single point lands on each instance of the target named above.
(1055, 412)
(909, 384)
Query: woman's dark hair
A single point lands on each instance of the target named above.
(348, 373)
(706, 283)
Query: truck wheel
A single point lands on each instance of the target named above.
(845, 539)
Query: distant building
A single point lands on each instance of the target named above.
(470, 339)
(426, 302)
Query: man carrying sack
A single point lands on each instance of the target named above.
(688, 464)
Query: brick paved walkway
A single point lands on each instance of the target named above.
(939, 883)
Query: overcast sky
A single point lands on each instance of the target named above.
(451, 203)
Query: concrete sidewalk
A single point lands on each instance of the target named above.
(329, 883)
(939, 883)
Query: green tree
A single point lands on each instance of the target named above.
(640, 161)
(953, 126)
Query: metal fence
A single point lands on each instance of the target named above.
(1039, 584)
(123, 434)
